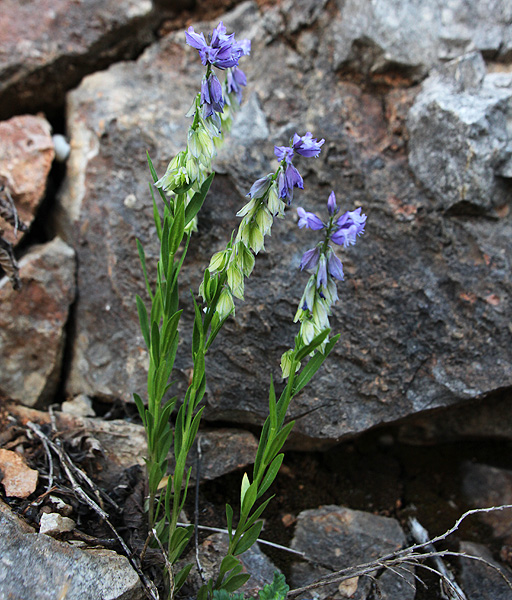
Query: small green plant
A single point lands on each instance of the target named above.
(181, 192)
(276, 590)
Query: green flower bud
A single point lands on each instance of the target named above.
(255, 239)
(264, 220)
(235, 281)
(218, 261)
(225, 305)
(192, 167)
(273, 201)
(205, 142)
(286, 363)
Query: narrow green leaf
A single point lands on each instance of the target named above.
(313, 345)
(155, 343)
(237, 581)
(272, 404)
(143, 320)
(229, 521)
(314, 363)
(249, 499)
(178, 431)
(155, 178)
(178, 228)
(258, 512)
(261, 447)
(195, 204)
(271, 474)
(228, 562)
(140, 407)
(279, 440)
(181, 577)
(248, 539)
(193, 429)
(156, 215)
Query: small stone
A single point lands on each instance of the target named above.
(54, 523)
(80, 406)
(61, 146)
(18, 479)
(482, 581)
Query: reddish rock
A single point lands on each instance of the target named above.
(26, 156)
(32, 323)
(46, 46)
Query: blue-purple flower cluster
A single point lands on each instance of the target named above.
(223, 52)
(321, 290)
(268, 199)
(213, 110)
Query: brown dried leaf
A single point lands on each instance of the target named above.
(18, 480)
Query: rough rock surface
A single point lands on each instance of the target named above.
(254, 561)
(32, 323)
(37, 566)
(424, 311)
(485, 486)
(339, 538)
(118, 445)
(460, 144)
(26, 156)
(481, 581)
(409, 37)
(46, 46)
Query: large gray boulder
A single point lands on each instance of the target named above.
(460, 138)
(424, 311)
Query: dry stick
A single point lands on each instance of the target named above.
(168, 565)
(259, 540)
(150, 588)
(406, 556)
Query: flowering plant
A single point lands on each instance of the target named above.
(182, 191)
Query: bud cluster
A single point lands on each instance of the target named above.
(213, 110)
(268, 199)
(321, 292)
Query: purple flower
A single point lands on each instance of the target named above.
(260, 187)
(309, 219)
(321, 275)
(293, 177)
(222, 52)
(310, 259)
(335, 266)
(211, 95)
(331, 204)
(282, 152)
(236, 79)
(306, 145)
(348, 227)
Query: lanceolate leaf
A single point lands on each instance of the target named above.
(195, 204)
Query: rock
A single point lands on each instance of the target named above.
(80, 406)
(47, 47)
(459, 136)
(485, 486)
(339, 538)
(36, 566)
(481, 419)
(482, 581)
(18, 479)
(423, 313)
(54, 524)
(118, 445)
(32, 323)
(214, 549)
(410, 37)
(25, 161)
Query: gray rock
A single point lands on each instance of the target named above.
(47, 46)
(211, 553)
(32, 323)
(36, 566)
(410, 37)
(485, 486)
(339, 538)
(459, 136)
(482, 581)
(54, 524)
(424, 310)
